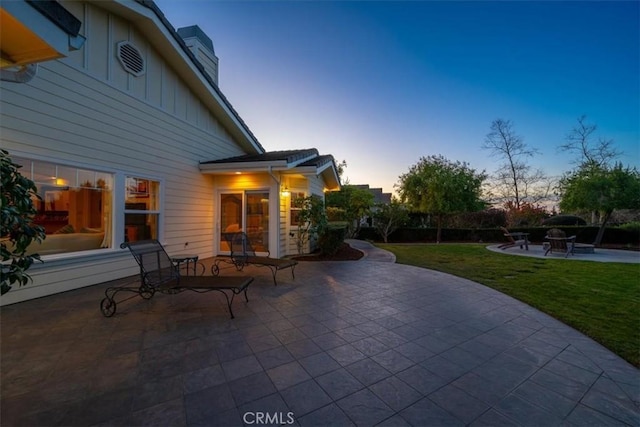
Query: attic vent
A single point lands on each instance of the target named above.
(130, 58)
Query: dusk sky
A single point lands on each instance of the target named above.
(380, 84)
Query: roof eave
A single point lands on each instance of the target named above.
(234, 167)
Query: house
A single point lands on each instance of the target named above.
(119, 120)
(379, 198)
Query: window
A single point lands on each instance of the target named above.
(141, 209)
(296, 207)
(74, 208)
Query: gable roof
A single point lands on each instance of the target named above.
(159, 32)
(306, 162)
(378, 195)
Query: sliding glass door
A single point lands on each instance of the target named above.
(246, 211)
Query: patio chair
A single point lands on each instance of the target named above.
(559, 242)
(515, 239)
(243, 253)
(158, 273)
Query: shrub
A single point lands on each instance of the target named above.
(332, 237)
(312, 220)
(17, 229)
(564, 220)
(633, 226)
(335, 214)
(487, 218)
(526, 214)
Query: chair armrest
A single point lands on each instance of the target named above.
(517, 234)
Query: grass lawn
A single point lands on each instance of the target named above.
(602, 300)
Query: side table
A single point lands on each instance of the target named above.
(186, 259)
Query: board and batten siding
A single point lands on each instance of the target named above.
(85, 111)
(316, 185)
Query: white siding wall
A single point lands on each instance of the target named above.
(316, 186)
(86, 111)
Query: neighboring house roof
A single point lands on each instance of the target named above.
(378, 195)
(306, 162)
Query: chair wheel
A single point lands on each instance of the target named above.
(108, 307)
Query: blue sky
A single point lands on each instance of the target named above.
(380, 84)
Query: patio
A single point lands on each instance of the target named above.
(599, 254)
(346, 343)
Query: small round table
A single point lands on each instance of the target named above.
(187, 259)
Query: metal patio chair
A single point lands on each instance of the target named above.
(243, 253)
(158, 273)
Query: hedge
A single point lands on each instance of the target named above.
(584, 234)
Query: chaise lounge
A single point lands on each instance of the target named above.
(243, 253)
(158, 273)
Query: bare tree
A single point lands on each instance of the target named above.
(515, 180)
(591, 153)
(594, 156)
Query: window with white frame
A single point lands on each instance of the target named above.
(141, 209)
(74, 206)
(295, 208)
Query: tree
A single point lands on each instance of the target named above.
(340, 169)
(388, 217)
(590, 153)
(312, 220)
(441, 188)
(17, 230)
(514, 181)
(355, 202)
(596, 184)
(600, 188)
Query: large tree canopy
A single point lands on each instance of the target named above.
(440, 187)
(600, 188)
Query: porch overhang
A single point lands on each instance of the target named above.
(36, 31)
(294, 163)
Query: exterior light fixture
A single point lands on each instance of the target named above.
(285, 192)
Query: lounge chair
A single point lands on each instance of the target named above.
(515, 239)
(559, 242)
(243, 253)
(158, 273)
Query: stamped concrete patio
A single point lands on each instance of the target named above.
(346, 343)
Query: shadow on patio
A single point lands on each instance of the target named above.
(345, 343)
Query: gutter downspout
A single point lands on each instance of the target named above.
(270, 171)
(23, 74)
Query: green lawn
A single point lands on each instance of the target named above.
(602, 300)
